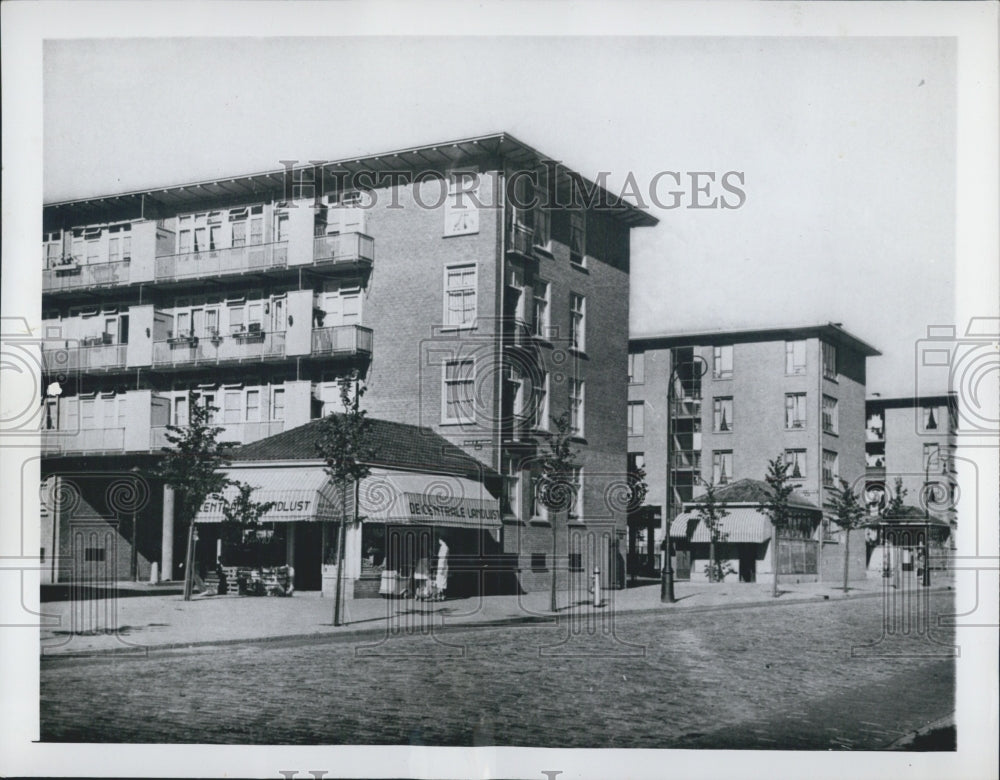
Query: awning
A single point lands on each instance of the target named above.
(743, 526)
(427, 499)
(298, 493)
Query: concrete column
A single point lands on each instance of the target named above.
(167, 538)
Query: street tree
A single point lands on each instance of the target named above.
(850, 514)
(192, 467)
(638, 489)
(241, 513)
(557, 485)
(895, 504)
(346, 447)
(711, 513)
(776, 507)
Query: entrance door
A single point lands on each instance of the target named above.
(748, 563)
(308, 556)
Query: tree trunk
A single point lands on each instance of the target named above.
(553, 605)
(774, 556)
(189, 563)
(341, 536)
(847, 547)
(711, 561)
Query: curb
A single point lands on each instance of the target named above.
(350, 632)
(904, 742)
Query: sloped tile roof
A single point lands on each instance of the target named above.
(754, 491)
(396, 445)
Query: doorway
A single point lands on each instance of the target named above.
(748, 563)
(307, 559)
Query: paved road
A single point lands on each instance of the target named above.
(810, 676)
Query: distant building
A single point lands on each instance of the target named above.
(717, 406)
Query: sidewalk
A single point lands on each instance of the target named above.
(160, 621)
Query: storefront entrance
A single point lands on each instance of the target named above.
(748, 562)
(307, 558)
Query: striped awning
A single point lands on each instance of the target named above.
(743, 526)
(427, 499)
(298, 494)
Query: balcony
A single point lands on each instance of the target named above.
(221, 262)
(88, 357)
(686, 460)
(342, 340)
(209, 350)
(521, 240)
(349, 249)
(686, 407)
(86, 440)
(241, 433)
(74, 275)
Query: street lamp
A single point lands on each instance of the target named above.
(667, 571)
(135, 555)
(933, 451)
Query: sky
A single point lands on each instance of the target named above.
(846, 148)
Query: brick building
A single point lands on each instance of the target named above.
(717, 406)
(474, 286)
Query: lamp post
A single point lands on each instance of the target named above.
(667, 571)
(936, 450)
(134, 564)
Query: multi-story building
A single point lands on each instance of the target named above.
(910, 443)
(715, 407)
(498, 300)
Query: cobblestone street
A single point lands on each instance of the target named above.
(810, 676)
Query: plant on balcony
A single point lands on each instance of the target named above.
(346, 446)
(191, 466)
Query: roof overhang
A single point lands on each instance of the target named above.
(830, 331)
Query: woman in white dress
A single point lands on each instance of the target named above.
(441, 581)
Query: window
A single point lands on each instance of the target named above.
(536, 508)
(278, 403)
(281, 227)
(94, 554)
(126, 248)
(538, 562)
(722, 362)
(830, 423)
(114, 250)
(253, 406)
(87, 414)
(181, 410)
(575, 509)
(722, 415)
(460, 296)
(831, 470)
(795, 357)
(233, 402)
(511, 488)
(541, 399)
(636, 367)
(796, 462)
(635, 418)
(53, 249)
(543, 228)
(577, 238)
(795, 410)
(829, 361)
(577, 323)
(458, 390)
(722, 466)
(931, 415)
(540, 317)
(576, 391)
(575, 561)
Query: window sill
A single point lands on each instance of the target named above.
(831, 433)
(457, 328)
(578, 438)
(544, 251)
(456, 423)
(796, 428)
(724, 433)
(579, 266)
(722, 378)
(578, 352)
(540, 522)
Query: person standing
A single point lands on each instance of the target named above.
(441, 580)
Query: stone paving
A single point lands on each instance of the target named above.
(827, 675)
(138, 623)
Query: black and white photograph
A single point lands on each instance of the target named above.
(502, 390)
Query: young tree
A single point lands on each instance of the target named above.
(894, 507)
(638, 489)
(556, 484)
(241, 513)
(850, 515)
(191, 466)
(346, 447)
(776, 507)
(710, 512)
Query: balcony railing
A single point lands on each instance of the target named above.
(85, 440)
(342, 340)
(236, 347)
(344, 249)
(241, 433)
(687, 407)
(75, 276)
(687, 460)
(234, 260)
(90, 358)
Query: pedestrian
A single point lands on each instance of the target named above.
(221, 572)
(422, 578)
(442, 569)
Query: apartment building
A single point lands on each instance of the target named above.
(715, 407)
(912, 441)
(498, 300)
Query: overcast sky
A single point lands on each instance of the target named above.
(846, 146)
